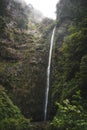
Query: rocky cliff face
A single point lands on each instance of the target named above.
(69, 8)
(70, 14)
(23, 55)
(24, 47)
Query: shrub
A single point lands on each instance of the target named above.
(15, 124)
(10, 115)
(70, 115)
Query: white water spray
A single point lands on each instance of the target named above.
(48, 75)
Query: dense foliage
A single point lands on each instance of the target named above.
(24, 48)
(70, 115)
(70, 61)
(69, 75)
(10, 115)
(23, 53)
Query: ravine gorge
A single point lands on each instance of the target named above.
(43, 67)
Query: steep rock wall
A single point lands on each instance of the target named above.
(66, 61)
(23, 57)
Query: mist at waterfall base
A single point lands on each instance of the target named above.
(48, 75)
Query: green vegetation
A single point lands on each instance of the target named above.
(24, 48)
(2, 26)
(69, 63)
(23, 51)
(16, 124)
(70, 115)
(69, 76)
(10, 115)
(3, 8)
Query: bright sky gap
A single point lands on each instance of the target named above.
(47, 7)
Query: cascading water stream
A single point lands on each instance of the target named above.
(48, 75)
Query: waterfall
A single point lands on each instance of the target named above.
(48, 75)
